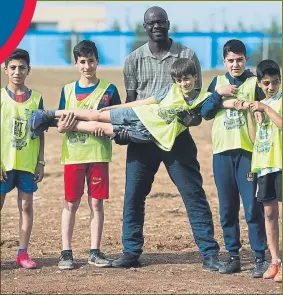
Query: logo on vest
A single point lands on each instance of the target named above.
(169, 115)
(77, 137)
(264, 144)
(234, 119)
(19, 128)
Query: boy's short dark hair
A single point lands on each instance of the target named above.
(85, 48)
(235, 46)
(182, 67)
(267, 67)
(18, 53)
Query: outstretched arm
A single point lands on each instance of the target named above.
(93, 115)
(85, 115)
(68, 123)
(150, 100)
(236, 104)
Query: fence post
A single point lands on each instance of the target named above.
(265, 48)
(214, 50)
(74, 41)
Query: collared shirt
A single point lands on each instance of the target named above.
(146, 74)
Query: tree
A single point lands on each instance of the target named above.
(240, 26)
(195, 27)
(173, 29)
(273, 45)
(115, 26)
(225, 27)
(140, 36)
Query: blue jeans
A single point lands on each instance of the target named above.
(230, 170)
(143, 161)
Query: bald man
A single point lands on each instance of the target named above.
(146, 70)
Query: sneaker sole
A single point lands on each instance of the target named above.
(230, 273)
(210, 269)
(136, 264)
(30, 267)
(66, 267)
(99, 265)
(278, 280)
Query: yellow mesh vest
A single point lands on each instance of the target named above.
(267, 152)
(18, 150)
(229, 129)
(161, 120)
(81, 147)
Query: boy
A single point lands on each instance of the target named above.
(267, 158)
(158, 119)
(85, 156)
(232, 154)
(22, 159)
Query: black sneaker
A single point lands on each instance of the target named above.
(261, 266)
(66, 260)
(212, 262)
(98, 258)
(232, 266)
(126, 260)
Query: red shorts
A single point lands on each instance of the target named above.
(96, 175)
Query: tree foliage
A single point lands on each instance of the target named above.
(273, 46)
(140, 37)
(115, 26)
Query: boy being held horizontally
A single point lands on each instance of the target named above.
(232, 155)
(267, 158)
(158, 119)
(22, 159)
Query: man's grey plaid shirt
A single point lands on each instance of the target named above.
(146, 74)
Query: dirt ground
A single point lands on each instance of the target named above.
(170, 263)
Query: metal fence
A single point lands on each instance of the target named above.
(54, 49)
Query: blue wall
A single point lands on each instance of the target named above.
(52, 48)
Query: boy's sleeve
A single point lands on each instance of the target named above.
(212, 86)
(40, 106)
(115, 98)
(162, 93)
(212, 104)
(62, 103)
(130, 78)
(259, 94)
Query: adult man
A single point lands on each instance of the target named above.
(146, 70)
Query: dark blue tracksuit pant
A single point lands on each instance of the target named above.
(230, 173)
(143, 161)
